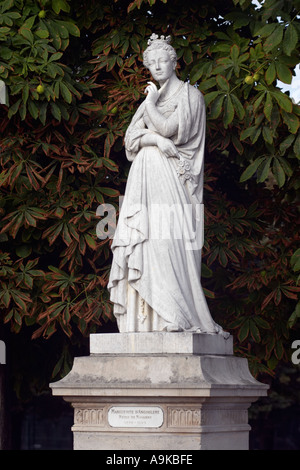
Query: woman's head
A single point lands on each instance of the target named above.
(154, 44)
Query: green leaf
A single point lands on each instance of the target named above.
(262, 323)
(222, 83)
(244, 331)
(296, 147)
(58, 367)
(22, 111)
(239, 109)
(264, 170)
(25, 93)
(109, 192)
(228, 111)
(23, 251)
(249, 132)
(279, 349)
(216, 107)
(234, 52)
(255, 137)
(274, 39)
(239, 19)
(286, 143)
(223, 258)
(72, 28)
(58, 5)
(55, 56)
(270, 9)
(43, 112)
(283, 73)
(56, 111)
(33, 109)
(6, 5)
(17, 316)
(29, 22)
(206, 84)
(188, 56)
(258, 101)
(66, 94)
(295, 315)
(6, 301)
(54, 34)
(285, 165)
(272, 362)
(292, 121)
(236, 323)
(90, 241)
(275, 117)
(270, 74)
(278, 172)
(208, 293)
(110, 164)
(26, 33)
(134, 44)
(63, 31)
(237, 144)
(268, 106)
(196, 73)
(251, 169)
(42, 33)
(206, 271)
(290, 39)
(267, 134)
(4, 30)
(5, 53)
(254, 331)
(209, 97)
(283, 100)
(265, 30)
(295, 260)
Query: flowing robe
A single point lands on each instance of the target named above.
(155, 276)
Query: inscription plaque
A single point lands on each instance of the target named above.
(135, 417)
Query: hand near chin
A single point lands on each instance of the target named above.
(152, 93)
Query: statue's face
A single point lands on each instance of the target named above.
(160, 65)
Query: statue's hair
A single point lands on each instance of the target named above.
(156, 43)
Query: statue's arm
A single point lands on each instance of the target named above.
(166, 127)
(165, 145)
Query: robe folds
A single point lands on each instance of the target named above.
(155, 279)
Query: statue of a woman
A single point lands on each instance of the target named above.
(155, 276)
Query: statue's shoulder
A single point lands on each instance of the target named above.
(195, 93)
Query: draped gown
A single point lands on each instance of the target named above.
(155, 281)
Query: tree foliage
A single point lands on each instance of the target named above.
(74, 77)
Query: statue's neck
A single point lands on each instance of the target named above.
(169, 87)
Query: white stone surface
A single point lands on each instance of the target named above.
(160, 343)
(203, 398)
(155, 278)
(178, 442)
(172, 375)
(3, 97)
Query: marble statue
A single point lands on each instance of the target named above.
(155, 279)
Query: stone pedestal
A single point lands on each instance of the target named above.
(160, 391)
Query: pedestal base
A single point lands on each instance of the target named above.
(160, 391)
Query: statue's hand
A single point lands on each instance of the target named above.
(152, 93)
(167, 147)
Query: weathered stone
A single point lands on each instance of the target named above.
(161, 343)
(203, 398)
